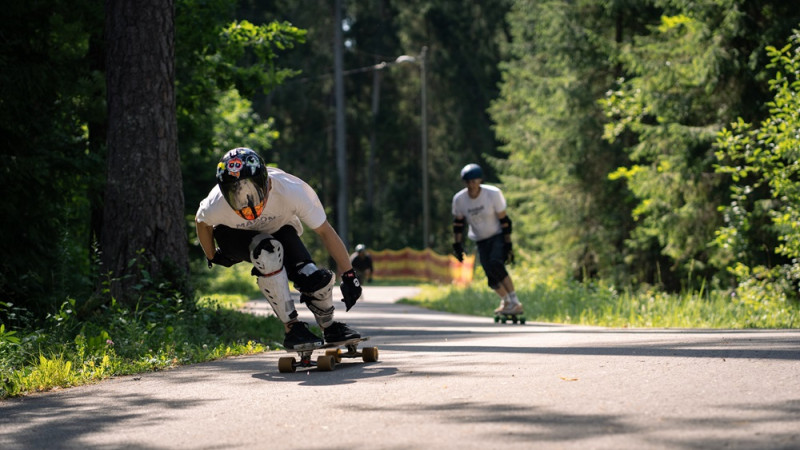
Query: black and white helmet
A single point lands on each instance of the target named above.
(471, 172)
(242, 179)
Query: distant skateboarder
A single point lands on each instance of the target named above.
(483, 208)
(362, 263)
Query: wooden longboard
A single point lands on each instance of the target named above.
(332, 357)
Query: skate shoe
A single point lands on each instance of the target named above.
(503, 306)
(339, 332)
(300, 335)
(512, 309)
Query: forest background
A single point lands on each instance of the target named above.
(641, 144)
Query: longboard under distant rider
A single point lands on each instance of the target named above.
(514, 318)
(331, 357)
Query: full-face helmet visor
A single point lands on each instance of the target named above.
(247, 197)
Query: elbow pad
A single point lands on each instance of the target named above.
(505, 224)
(458, 226)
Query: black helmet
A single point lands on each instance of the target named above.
(242, 178)
(471, 172)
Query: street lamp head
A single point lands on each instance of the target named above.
(405, 59)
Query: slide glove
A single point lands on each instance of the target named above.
(508, 254)
(351, 289)
(458, 251)
(220, 259)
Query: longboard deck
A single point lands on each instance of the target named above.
(328, 361)
(312, 347)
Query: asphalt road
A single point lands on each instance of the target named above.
(448, 381)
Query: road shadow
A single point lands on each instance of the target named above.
(746, 348)
(521, 424)
(344, 373)
(61, 420)
(545, 426)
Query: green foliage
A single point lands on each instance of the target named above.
(231, 287)
(763, 165)
(670, 102)
(50, 91)
(161, 331)
(681, 80)
(256, 45)
(222, 64)
(572, 218)
(609, 113)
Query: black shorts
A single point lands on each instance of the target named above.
(491, 254)
(235, 244)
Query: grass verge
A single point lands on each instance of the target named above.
(163, 330)
(596, 304)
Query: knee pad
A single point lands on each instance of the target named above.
(267, 257)
(266, 254)
(313, 281)
(316, 289)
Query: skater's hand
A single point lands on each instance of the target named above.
(220, 259)
(458, 251)
(351, 289)
(508, 254)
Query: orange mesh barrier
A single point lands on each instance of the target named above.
(422, 265)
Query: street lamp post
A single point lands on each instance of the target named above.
(340, 143)
(423, 139)
(341, 150)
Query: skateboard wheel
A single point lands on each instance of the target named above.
(514, 320)
(522, 321)
(336, 354)
(496, 319)
(369, 354)
(326, 363)
(287, 364)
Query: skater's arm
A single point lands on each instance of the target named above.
(333, 243)
(205, 234)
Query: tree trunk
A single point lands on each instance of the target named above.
(143, 215)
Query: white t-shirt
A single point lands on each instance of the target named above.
(480, 213)
(290, 201)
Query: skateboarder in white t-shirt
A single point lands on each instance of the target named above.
(254, 214)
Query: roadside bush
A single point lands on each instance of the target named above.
(162, 330)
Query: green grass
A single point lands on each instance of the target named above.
(162, 331)
(592, 304)
(231, 287)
